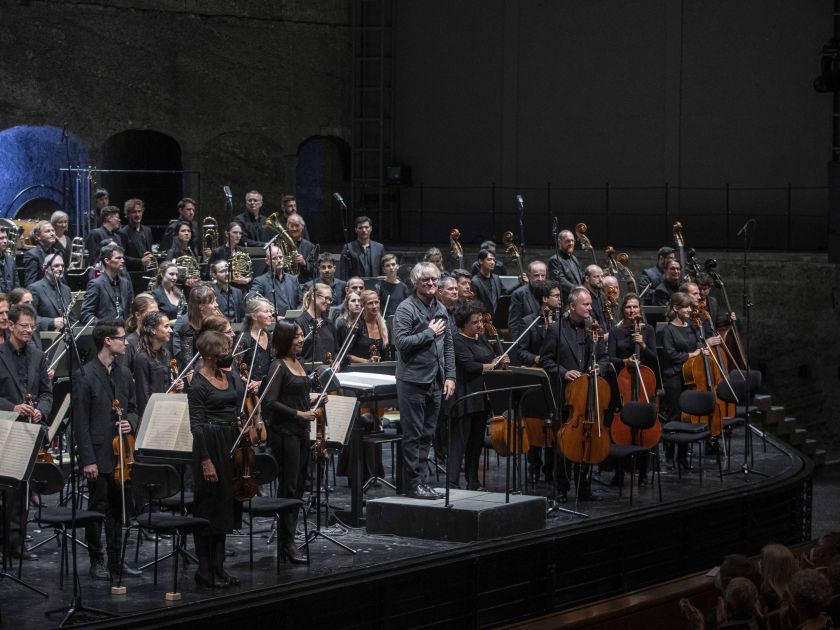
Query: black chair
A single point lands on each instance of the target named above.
(695, 403)
(48, 478)
(744, 385)
(642, 417)
(265, 471)
(160, 481)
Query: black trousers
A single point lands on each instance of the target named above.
(106, 497)
(419, 406)
(466, 440)
(291, 450)
(17, 508)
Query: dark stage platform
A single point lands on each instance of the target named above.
(402, 582)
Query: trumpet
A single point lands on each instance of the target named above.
(210, 233)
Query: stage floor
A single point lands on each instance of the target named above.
(20, 608)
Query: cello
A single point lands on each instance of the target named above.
(636, 382)
(456, 250)
(583, 438)
(730, 330)
(583, 239)
(703, 374)
(499, 433)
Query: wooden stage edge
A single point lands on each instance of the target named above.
(511, 579)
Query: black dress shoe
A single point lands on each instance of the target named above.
(126, 571)
(26, 555)
(439, 495)
(99, 572)
(292, 554)
(422, 491)
(227, 578)
(208, 579)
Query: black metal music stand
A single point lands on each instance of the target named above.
(7, 565)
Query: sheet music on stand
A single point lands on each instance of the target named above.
(340, 413)
(164, 433)
(59, 417)
(19, 446)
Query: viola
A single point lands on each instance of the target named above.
(123, 445)
(583, 438)
(43, 454)
(636, 383)
(319, 448)
(257, 433)
(245, 486)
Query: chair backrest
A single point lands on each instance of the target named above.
(751, 377)
(155, 481)
(265, 468)
(733, 392)
(637, 415)
(697, 403)
(47, 478)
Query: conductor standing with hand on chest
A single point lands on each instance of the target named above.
(425, 372)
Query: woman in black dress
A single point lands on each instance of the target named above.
(152, 370)
(473, 357)
(202, 304)
(258, 318)
(371, 331)
(623, 340)
(141, 304)
(181, 247)
(170, 299)
(214, 405)
(287, 404)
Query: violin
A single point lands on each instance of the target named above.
(245, 486)
(455, 247)
(123, 445)
(43, 454)
(319, 447)
(375, 357)
(637, 383)
(256, 432)
(583, 438)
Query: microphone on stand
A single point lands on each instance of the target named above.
(340, 200)
(267, 245)
(520, 203)
(745, 226)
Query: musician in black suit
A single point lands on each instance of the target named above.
(33, 259)
(104, 381)
(652, 276)
(524, 301)
(326, 275)
(23, 370)
(233, 236)
(566, 355)
(8, 268)
(186, 212)
(252, 222)
(136, 238)
(490, 246)
(362, 257)
(486, 285)
(45, 294)
(670, 284)
(109, 296)
(307, 253)
(280, 289)
(593, 280)
(230, 299)
(565, 267)
(108, 231)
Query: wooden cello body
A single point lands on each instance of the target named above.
(636, 383)
(703, 374)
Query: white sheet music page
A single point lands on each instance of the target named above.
(166, 424)
(17, 443)
(339, 416)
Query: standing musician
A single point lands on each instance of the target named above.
(137, 239)
(623, 339)
(473, 357)
(60, 221)
(289, 406)
(141, 304)
(8, 267)
(169, 297)
(435, 256)
(214, 398)
(181, 247)
(564, 266)
(252, 222)
(108, 296)
(464, 281)
(202, 304)
(523, 301)
(719, 317)
(233, 235)
(306, 258)
(652, 276)
(567, 354)
(611, 282)
(326, 275)
(314, 318)
(288, 204)
(23, 373)
(391, 290)
(5, 325)
(486, 285)
(425, 373)
(186, 212)
(33, 258)
(230, 298)
(346, 318)
(152, 370)
(279, 288)
(593, 280)
(103, 383)
(371, 331)
(692, 290)
(45, 294)
(362, 257)
(670, 283)
(108, 231)
(499, 269)
(22, 296)
(255, 334)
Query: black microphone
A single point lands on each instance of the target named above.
(554, 225)
(520, 202)
(228, 196)
(64, 134)
(745, 226)
(340, 200)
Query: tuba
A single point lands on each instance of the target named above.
(210, 233)
(285, 242)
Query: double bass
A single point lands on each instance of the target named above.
(636, 382)
(455, 248)
(702, 373)
(583, 438)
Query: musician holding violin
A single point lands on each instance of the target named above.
(25, 388)
(569, 353)
(214, 399)
(288, 406)
(473, 357)
(152, 363)
(104, 406)
(371, 332)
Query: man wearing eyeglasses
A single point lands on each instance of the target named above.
(96, 422)
(23, 370)
(46, 299)
(425, 373)
(313, 320)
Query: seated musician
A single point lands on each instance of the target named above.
(566, 355)
(486, 285)
(109, 296)
(473, 357)
(652, 276)
(326, 275)
(279, 288)
(46, 300)
(104, 381)
(670, 284)
(23, 373)
(152, 370)
(527, 354)
(392, 290)
(523, 301)
(182, 247)
(314, 319)
(230, 299)
(233, 235)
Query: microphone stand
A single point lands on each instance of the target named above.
(75, 605)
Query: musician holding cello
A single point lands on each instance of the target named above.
(105, 382)
(568, 354)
